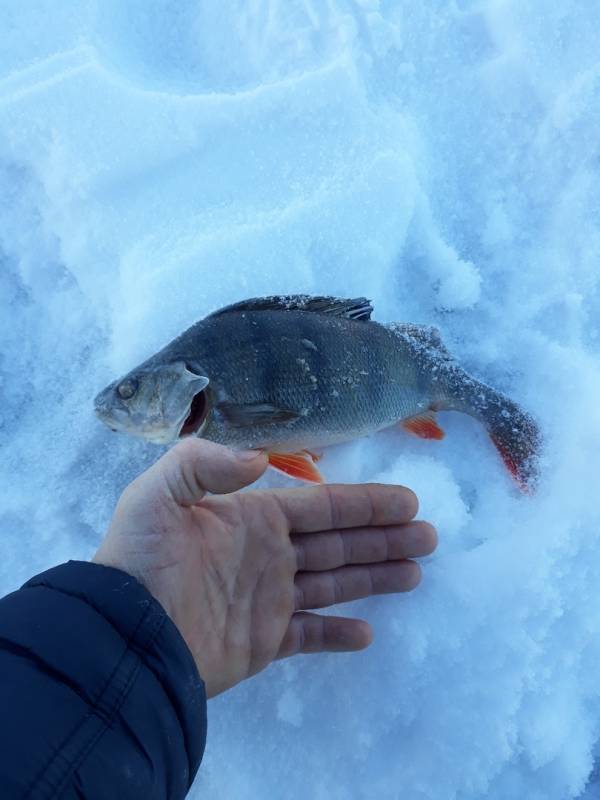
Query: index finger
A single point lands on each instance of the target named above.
(336, 506)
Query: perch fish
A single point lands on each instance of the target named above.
(293, 374)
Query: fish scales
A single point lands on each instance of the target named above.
(296, 372)
(356, 379)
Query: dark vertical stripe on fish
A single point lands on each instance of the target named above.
(267, 369)
(314, 358)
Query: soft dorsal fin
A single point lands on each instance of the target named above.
(427, 335)
(355, 308)
(422, 337)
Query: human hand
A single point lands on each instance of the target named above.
(237, 572)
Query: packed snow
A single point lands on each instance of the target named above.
(161, 159)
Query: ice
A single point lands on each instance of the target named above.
(159, 160)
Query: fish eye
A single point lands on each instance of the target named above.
(127, 388)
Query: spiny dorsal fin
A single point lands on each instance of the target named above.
(355, 308)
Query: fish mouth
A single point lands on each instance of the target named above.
(196, 418)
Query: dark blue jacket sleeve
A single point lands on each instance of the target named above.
(100, 698)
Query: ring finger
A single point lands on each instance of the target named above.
(320, 589)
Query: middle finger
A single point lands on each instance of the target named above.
(332, 549)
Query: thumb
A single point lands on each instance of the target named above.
(196, 466)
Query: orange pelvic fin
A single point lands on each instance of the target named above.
(424, 425)
(297, 465)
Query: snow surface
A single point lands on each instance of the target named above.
(160, 159)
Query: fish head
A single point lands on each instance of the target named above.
(158, 402)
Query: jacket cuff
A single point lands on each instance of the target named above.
(149, 636)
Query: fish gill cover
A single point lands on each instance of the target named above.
(160, 160)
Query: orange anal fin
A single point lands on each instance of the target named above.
(297, 465)
(423, 425)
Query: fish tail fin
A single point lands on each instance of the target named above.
(513, 431)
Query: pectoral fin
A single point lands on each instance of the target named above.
(242, 415)
(297, 465)
(424, 426)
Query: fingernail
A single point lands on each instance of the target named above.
(249, 455)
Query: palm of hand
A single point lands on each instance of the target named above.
(235, 572)
(237, 616)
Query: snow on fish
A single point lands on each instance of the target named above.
(292, 374)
